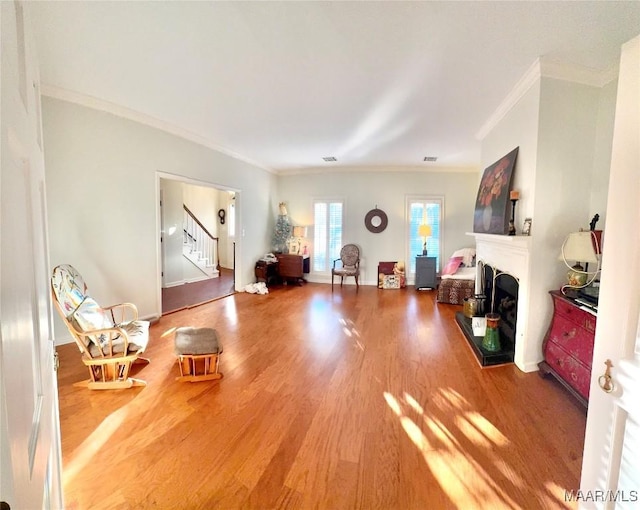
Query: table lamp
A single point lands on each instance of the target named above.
(424, 231)
(299, 233)
(579, 247)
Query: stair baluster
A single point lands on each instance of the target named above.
(202, 246)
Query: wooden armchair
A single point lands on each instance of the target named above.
(110, 339)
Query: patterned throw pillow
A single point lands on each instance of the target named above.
(467, 254)
(452, 266)
(89, 316)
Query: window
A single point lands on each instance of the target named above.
(327, 233)
(424, 210)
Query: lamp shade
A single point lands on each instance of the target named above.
(299, 231)
(578, 246)
(424, 230)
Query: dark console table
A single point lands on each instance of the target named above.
(292, 267)
(286, 268)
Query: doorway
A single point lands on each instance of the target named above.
(191, 274)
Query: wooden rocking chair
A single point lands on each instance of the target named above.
(110, 339)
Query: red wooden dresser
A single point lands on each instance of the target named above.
(568, 346)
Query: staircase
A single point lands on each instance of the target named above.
(199, 246)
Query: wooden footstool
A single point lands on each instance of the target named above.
(198, 348)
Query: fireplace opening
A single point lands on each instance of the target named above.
(505, 303)
(501, 296)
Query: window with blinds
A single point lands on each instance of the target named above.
(327, 233)
(424, 211)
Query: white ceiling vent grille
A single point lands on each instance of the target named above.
(431, 159)
(328, 159)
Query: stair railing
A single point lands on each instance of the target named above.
(199, 238)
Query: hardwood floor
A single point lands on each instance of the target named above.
(197, 293)
(331, 401)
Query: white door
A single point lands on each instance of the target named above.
(611, 469)
(29, 427)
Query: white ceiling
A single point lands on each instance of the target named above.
(283, 84)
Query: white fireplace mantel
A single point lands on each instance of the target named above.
(511, 254)
(521, 241)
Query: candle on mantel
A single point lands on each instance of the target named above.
(514, 195)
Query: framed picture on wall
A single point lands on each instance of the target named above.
(491, 215)
(526, 227)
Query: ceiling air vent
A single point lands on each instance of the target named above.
(328, 159)
(431, 159)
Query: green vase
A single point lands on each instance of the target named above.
(491, 340)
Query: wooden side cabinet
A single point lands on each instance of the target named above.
(425, 272)
(292, 267)
(266, 271)
(568, 346)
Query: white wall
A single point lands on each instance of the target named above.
(226, 241)
(566, 155)
(172, 236)
(602, 158)
(102, 194)
(363, 189)
(518, 128)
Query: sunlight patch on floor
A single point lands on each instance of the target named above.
(439, 430)
(413, 403)
(168, 332)
(350, 331)
(85, 453)
(231, 312)
(393, 403)
(552, 496)
(455, 442)
(415, 434)
(486, 427)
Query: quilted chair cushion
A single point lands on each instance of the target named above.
(138, 333)
(197, 341)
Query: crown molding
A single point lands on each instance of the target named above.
(95, 103)
(578, 74)
(547, 69)
(378, 169)
(531, 76)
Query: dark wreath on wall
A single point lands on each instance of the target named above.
(376, 220)
(491, 214)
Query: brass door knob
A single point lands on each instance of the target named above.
(605, 381)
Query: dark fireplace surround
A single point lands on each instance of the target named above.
(501, 291)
